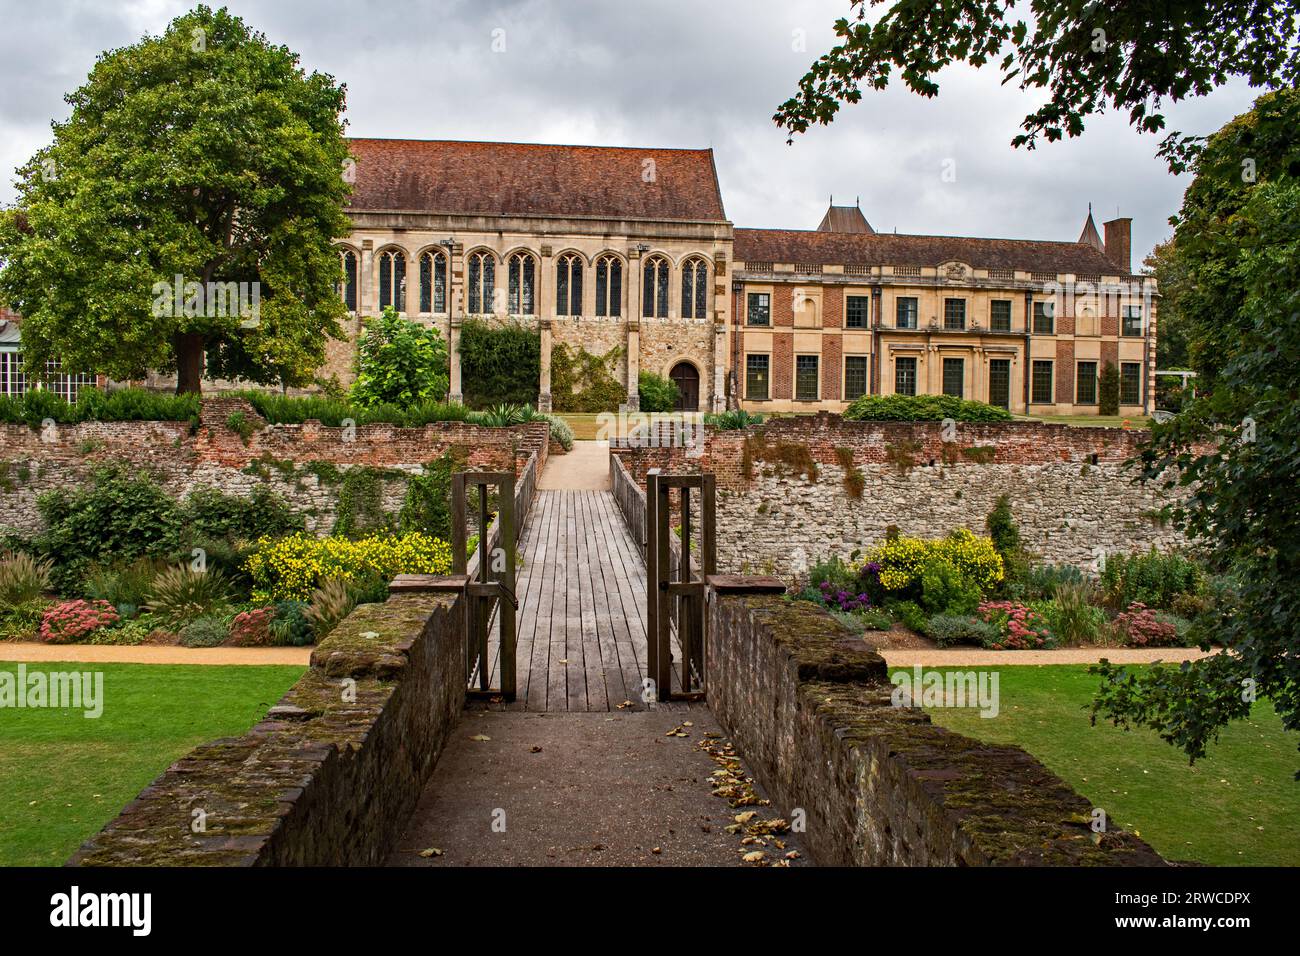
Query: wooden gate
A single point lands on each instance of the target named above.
(675, 593)
(491, 585)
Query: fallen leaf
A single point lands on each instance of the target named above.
(756, 856)
(480, 737)
(432, 851)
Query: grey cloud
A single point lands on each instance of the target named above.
(671, 73)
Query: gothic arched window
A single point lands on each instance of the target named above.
(392, 280)
(654, 288)
(433, 282)
(348, 287)
(521, 285)
(695, 289)
(609, 286)
(568, 285)
(482, 281)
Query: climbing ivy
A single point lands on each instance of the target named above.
(427, 506)
(361, 501)
(583, 382)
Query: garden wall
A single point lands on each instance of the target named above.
(322, 780)
(808, 707)
(302, 463)
(1070, 490)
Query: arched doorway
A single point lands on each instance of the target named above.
(687, 379)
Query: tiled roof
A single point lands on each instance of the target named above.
(844, 219)
(835, 248)
(535, 180)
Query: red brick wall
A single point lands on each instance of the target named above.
(832, 307)
(1064, 370)
(782, 370)
(1019, 442)
(831, 365)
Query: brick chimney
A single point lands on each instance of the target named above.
(1119, 243)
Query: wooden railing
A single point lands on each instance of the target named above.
(630, 497)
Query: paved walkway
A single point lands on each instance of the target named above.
(155, 654)
(580, 790)
(977, 657)
(586, 468)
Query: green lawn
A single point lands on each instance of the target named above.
(1239, 806)
(1093, 421)
(63, 776)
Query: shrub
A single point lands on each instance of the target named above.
(901, 560)
(73, 621)
(499, 363)
(1108, 390)
(874, 619)
(1018, 627)
(400, 362)
(843, 600)
(560, 430)
(122, 405)
(23, 578)
(119, 516)
(922, 408)
(210, 513)
(950, 629)
(1071, 616)
(23, 621)
(944, 589)
(290, 628)
(208, 631)
(294, 566)
(1005, 535)
(1140, 627)
(127, 633)
(658, 394)
(734, 420)
(180, 595)
(123, 584)
(835, 572)
(330, 603)
(252, 628)
(505, 415)
(912, 615)
(1154, 579)
(1042, 581)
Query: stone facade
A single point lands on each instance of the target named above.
(810, 709)
(1071, 492)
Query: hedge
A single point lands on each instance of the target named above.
(922, 408)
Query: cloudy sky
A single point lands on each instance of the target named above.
(681, 73)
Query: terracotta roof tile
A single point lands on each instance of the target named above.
(532, 179)
(834, 248)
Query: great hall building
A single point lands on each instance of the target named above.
(603, 247)
(631, 250)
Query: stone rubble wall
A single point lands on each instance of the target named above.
(1071, 492)
(284, 458)
(322, 780)
(808, 708)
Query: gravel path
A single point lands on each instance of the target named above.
(154, 654)
(977, 657)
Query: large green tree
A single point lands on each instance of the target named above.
(1089, 55)
(205, 153)
(1234, 451)
(400, 362)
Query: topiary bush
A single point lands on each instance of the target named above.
(922, 408)
(499, 363)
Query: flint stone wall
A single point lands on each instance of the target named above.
(285, 458)
(1071, 492)
(808, 707)
(321, 781)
